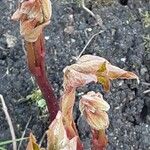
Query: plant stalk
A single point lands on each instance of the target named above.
(67, 104)
(99, 140)
(36, 65)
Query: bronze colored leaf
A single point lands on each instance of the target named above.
(73, 78)
(117, 73)
(107, 72)
(93, 68)
(33, 15)
(32, 145)
(93, 107)
(57, 137)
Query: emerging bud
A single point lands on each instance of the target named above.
(93, 107)
(34, 15)
(57, 137)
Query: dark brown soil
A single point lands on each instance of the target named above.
(123, 43)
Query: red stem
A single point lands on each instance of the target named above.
(36, 64)
(99, 140)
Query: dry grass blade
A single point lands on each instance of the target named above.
(89, 41)
(23, 134)
(96, 17)
(42, 139)
(147, 91)
(145, 83)
(4, 107)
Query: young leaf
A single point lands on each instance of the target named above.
(108, 72)
(74, 79)
(94, 108)
(93, 68)
(32, 145)
(34, 15)
(57, 137)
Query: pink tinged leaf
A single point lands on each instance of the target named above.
(30, 32)
(67, 104)
(93, 107)
(24, 8)
(34, 15)
(72, 144)
(95, 100)
(89, 64)
(57, 137)
(76, 79)
(87, 58)
(115, 73)
(32, 145)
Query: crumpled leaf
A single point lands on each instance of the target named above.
(74, 79)
(32, 145)
(92, 69)
(57, 137)
(34, 15)
(93, 107)
(89, 64)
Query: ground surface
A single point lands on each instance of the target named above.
(124, 43)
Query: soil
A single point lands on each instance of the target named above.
(124, 43)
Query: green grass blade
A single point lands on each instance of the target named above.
(1, 148)
(10, 141)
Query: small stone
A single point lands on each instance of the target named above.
(143, 71)
(73, 40)
(69, 29)
(10, 40)
(123, 59)
(89, 29)
(46, 37)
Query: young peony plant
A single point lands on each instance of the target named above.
(62, 131)
(34, 15)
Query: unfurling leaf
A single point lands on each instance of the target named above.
(67, 104)
(32, 145)
(57, 137)
(34, 15)
(93, 107)
(92, 69)
(74, 79)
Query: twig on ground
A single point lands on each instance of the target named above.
(146, 83)
(2, 48)
(89, 41)
(42, 139)
(86, 9)
(96, 17)
(23, 134)
(146, 91)
(4, 107)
